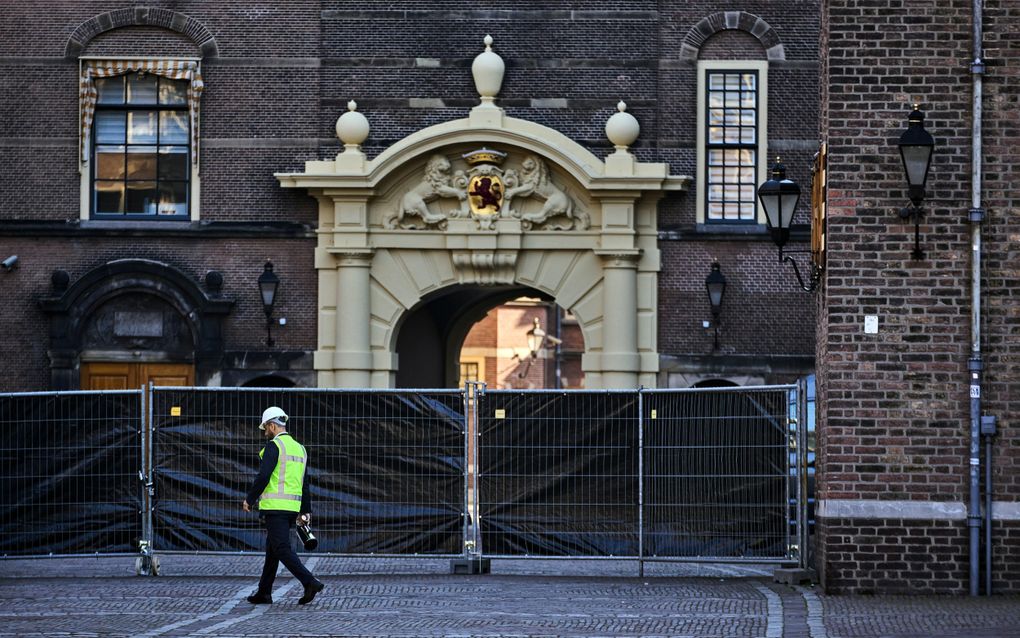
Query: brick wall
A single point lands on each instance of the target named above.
(894, 406)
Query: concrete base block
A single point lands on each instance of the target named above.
(795, 576)
(470, 566)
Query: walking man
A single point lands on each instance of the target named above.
(280, 495)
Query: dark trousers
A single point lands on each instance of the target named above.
(279, 550)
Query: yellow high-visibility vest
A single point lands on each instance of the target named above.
(284, 489)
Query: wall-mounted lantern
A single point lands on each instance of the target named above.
(916, 146)
(268, 284)
(715, 284)
(779, 196)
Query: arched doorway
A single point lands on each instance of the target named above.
(132, 321)
(464, 332)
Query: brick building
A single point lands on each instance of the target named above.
(897, 457)
(142, 203)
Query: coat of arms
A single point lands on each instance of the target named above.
(485, 187)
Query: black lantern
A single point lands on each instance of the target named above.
(715, 284)
(779, 197)
(268, 283)
(916, 146)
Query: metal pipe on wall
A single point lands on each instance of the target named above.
(975, 364)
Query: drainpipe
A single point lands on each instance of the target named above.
(975, 364)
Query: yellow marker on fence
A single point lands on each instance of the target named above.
(175, 410)
(500, 414)
(653, 414)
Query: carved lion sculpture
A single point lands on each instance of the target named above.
(535, 181)
(434, 184)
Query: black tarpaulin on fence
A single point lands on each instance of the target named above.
(386, 469)
(716, 474)
(70, 473)
(558, 473)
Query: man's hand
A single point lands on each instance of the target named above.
(245, 506)
(304, 519)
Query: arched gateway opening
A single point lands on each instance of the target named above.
(486, 206)
(506, 336)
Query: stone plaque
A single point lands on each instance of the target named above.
(138, 324)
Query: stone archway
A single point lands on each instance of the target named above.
(487, 200)
(149, 294)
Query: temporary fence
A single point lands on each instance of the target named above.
(70, 463)
(705, 474)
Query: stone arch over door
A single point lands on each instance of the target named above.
(82, 313)
(401, 227)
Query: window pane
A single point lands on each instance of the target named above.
(732, 136)
(141, 162)
(715, 193)
(141, 127)
(715, 134)
(141, 198)
(110, 128)
(110, 162)
(173, 198)
(110, 90)
(750, 82)
(715, 211)
(715, 81)
(173, 127)
(173, 162)
(173, 91)
(733, 81)
(109, 197)
(141, 88)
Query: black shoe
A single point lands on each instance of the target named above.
(260, 599)
(311, 589)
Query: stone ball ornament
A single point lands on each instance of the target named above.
(352, 127)
(622, 128)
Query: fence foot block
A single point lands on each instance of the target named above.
(794, 575)
(470, 566)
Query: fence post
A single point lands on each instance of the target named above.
(802, 471)
(472, 561)
(641, 481)
(146, 564)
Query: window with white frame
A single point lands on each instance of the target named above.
(731, 140)
(139, 139)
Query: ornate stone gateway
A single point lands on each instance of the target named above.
(484, 201)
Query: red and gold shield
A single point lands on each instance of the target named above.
(485, 194)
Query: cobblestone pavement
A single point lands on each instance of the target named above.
(204, 596)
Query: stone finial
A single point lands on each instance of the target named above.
(487, 70)
(352, 127)
(622, 128)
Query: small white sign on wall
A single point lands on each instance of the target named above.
(871, 324)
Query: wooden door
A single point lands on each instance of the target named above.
(115, 375)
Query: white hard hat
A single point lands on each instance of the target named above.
(273, 414)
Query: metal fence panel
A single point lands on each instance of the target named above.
(717, 473)
(70, 468)
(386, 468)
(558, 473)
